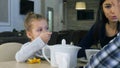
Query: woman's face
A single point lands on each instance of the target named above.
(116, 4)
(109, 12)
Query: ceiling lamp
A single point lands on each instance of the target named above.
(80, 5)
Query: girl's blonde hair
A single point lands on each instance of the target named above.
(31, 17)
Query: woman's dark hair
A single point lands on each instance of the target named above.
(100, 13)
(101, 18)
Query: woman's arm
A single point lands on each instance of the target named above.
(108, 56)
(90, 38)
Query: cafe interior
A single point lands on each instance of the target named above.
(67, 19)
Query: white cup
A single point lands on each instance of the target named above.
(67, 53)
(52, 59)
(90, 52)
(62, 60)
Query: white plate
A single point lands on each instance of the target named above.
(83, 60)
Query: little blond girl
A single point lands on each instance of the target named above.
(37, 31)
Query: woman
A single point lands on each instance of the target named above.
(104, 30)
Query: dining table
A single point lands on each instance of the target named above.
(14, 64)
(42, 64)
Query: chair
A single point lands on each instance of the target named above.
(8, 51)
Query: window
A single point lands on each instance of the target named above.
(5, 13)
(26, 6)
(50, 18)
(85, 15)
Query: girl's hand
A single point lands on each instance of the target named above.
(45, 36)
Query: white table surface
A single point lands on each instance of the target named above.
(43, 64)
(14, 64)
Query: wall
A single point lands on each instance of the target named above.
(4, 13)
(72, 22)
(57, 6)
(16, 20)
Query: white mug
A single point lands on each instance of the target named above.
(52, 60)
(90, 52)
(62, 59)
(62, 50)
(67, 53)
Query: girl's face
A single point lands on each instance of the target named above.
(108, 9)
(38, 26)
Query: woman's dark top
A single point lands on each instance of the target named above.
(97, 34)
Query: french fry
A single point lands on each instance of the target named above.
(34, 60)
